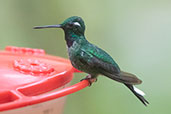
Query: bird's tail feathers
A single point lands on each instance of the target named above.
(138, 93)
(125, 77)
(129, 80)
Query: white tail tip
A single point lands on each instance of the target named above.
(138, 91)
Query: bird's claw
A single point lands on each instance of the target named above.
(90, 79)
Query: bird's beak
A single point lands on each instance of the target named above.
(48, 26)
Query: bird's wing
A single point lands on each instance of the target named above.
(100, 59)
(104, 64)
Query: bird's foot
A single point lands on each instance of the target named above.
(90, 79)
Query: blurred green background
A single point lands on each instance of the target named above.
(136, 33)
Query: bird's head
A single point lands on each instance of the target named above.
(73, 24)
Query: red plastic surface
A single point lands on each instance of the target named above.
(26, 74)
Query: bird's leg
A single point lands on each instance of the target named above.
(90, 79)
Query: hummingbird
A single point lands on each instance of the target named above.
(91, 59)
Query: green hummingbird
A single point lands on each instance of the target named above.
(90, 59)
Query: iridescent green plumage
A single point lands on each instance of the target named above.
(91, 59)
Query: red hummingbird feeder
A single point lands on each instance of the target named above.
(32, 82)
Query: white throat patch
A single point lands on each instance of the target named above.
(76, 23)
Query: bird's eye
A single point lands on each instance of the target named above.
(71, 25)
(74, 24)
